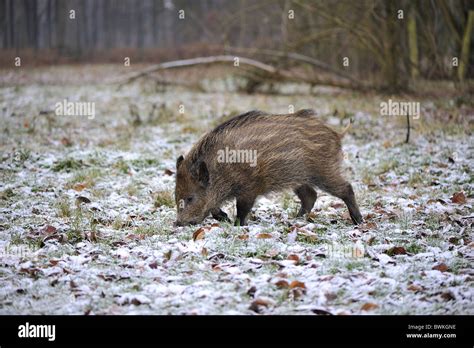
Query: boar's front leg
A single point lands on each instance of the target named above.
(219, 215)
(244, 205)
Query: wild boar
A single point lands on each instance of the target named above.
(257, 153)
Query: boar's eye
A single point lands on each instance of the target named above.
(189, 199)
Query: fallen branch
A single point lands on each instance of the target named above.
(269, 72)
(191, 62)
(300, 58)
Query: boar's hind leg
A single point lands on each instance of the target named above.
(343, 190)
(308, 196)
(219, 215)
(244, 205)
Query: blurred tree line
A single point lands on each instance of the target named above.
(388, 41)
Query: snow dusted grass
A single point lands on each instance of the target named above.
(87, 212)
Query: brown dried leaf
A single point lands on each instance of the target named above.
(369, 306)
(49, 230)
(442, 267)
(153, 265)
(257, 305)
(448, 296)
(297, 284)
(199, 234)
(294, 257)
(243, 237)
(251, 292)
(368, 226)
(167, 255)
(396, 251)
(54, 262)
(79, 187)
(282, 284)
(264, 236)
(415, 288)
(458, 198)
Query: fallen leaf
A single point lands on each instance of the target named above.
(264, 236)
(448, 296)
(368, 226)
(297, 284)
(458, 198)
(396, 251)
(369, 216)
(251, 292)
(167, 254)
(282, 284)
(414, 288)
(66, 141)
(442, 267)
(91, 236)
(153, 265)
(369, 306)
(294, 257)
(199, 234)
(204, 252)
(48, 229)
(32, 271)
(257, 305)
(54, 262)
(79, 187)
(243, 237)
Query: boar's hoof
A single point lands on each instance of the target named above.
(357, 219)
(238, 222)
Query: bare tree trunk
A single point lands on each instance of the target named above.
(413, 44)
(466, 42)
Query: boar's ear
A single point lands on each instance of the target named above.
(201, 174)
(179, 160)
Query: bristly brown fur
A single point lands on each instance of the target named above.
(294, 151)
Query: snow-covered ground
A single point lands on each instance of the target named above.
(87, 210)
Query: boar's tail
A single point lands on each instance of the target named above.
(348, 127)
